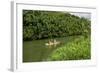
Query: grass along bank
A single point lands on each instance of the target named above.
(78, 49)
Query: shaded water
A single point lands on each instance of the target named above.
(36, 50)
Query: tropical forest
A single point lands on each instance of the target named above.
(55, 36)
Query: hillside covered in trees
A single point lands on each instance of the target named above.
(51, 24)
(55, 36)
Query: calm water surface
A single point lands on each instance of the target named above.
(36, 50)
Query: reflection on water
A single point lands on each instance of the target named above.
(35, 51)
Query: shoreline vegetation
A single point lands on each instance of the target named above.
(78, 49)
(55, 36)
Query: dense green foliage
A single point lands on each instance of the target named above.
(75, 50)
(49, 24)
(71, 31)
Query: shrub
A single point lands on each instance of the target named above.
(28, 33)
(76, 50)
